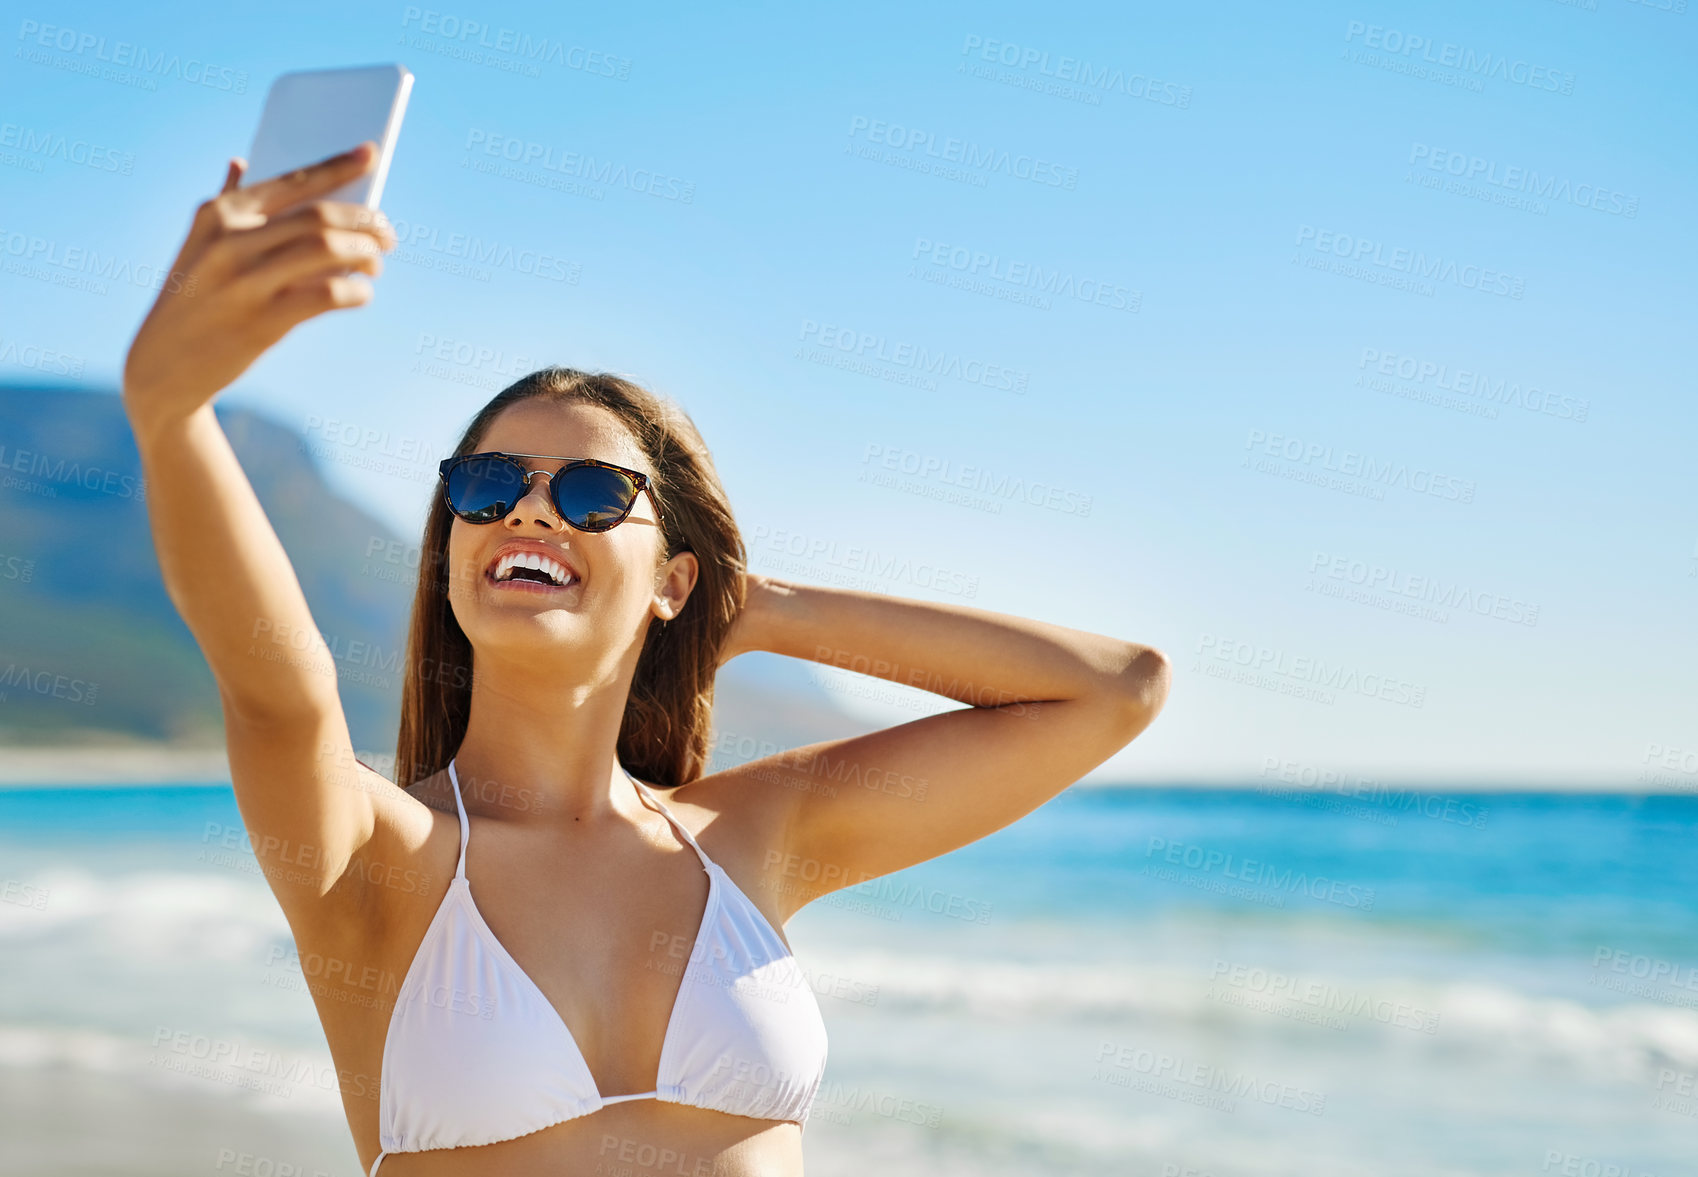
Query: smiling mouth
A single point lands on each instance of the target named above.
(528, 571)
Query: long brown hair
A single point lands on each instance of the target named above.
(665, 733)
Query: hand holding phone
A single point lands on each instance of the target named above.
(310, 115)
(258, 260)
(282, 248)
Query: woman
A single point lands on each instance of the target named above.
(619, 997)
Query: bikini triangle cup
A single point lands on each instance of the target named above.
(476, 1053)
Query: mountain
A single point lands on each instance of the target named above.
(92, 650)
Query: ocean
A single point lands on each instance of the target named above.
(1138, 981)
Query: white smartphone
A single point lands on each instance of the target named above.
(311, 115)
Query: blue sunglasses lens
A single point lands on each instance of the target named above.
(593, 498)
(482, 490)
(590, 498)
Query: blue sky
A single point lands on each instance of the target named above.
(1183, 380)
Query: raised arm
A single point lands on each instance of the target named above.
(1048, 705)
(256, 262)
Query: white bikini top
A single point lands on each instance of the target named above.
(476, 1054)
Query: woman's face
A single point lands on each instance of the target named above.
(619, 582)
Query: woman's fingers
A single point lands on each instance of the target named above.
(237, 208)
(282, 254)
(310, 254)
(279, 192)
(259, 260)
(302, 300)
(245, 250)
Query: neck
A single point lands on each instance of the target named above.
(543, 750)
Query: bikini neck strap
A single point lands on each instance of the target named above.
(465, 825)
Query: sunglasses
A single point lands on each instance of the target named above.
(588, 494)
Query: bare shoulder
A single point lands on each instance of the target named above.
(403, 856)
(413, 813)
(734, 805)
(742, 818)
(433, 791)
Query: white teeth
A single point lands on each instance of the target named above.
(535, 561)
